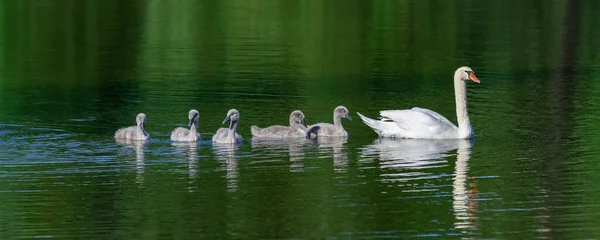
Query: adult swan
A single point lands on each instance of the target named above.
(424, 123)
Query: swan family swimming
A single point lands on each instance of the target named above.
(414, 123)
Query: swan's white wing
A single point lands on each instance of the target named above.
(434, 115)
(419, 123)
(384, 127)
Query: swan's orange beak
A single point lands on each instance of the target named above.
(473, 78)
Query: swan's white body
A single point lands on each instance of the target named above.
(297, 128)
(421, 123)
(134, 132)
(229, 135)
(331, 130)
(187, 135)
(414, 123)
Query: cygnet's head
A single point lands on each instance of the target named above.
(233, 115)
(297, 117)
(140, 119)
(193, 115)
(342, 111)
(466, 73)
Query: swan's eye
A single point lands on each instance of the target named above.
(468, 73)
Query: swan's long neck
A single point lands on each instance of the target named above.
(232, 128)
(462, 114)
(337, 122)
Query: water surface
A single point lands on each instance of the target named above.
(73, 72)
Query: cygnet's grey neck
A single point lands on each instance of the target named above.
(193, 128)
(140, 129)
(232, 128)
(337, 122)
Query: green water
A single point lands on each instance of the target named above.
(73, 72)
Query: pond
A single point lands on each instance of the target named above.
(73, 72)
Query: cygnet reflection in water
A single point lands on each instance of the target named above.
(293, 147)
(138, 147)
(227, 154)
(190, 149)
(335, 145)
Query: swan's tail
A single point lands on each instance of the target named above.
(312, 133)
(255, 130)
(372, 123)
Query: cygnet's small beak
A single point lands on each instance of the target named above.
(303, 123)
(226, 120)
(348, 116)
(142, 126)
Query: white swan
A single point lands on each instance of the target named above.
(228, 135)
(187, 135)
(424, 123)
(331, 130)
(297, 128)
(134, 132)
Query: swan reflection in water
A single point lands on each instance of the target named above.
(417, 155)
(336, 144)
(409, 153)
(226, 153)
(293, 146)
(190, 149)
(138, 147)
(464, 203)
